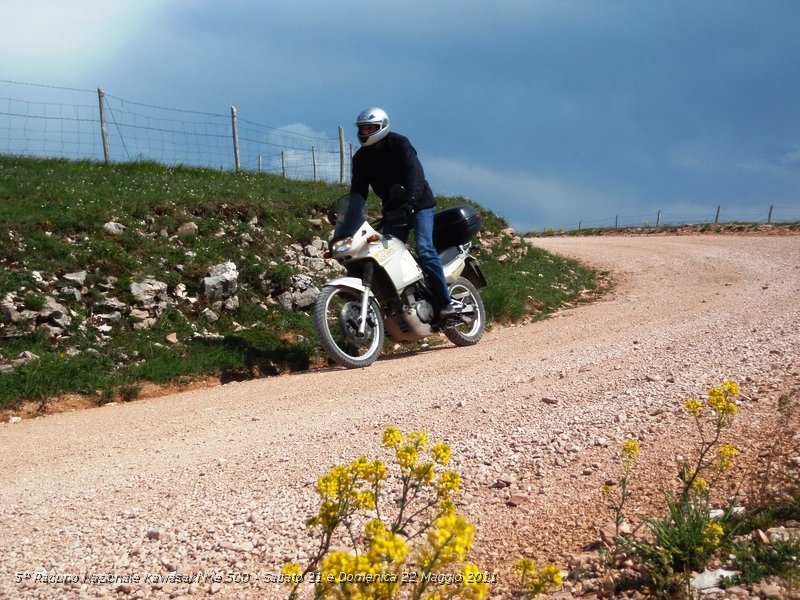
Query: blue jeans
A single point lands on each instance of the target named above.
(422, 223)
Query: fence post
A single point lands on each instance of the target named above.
(235, 130)
(658, 219)
(616, 222)
(283, 164)
(341, 154)
(259, 163)
(716, 219)
(103, 127)
(769, 216)
(579, 225)
(313, 163)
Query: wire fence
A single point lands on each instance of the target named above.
(771, 213)
(51, 121)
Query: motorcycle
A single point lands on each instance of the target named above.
(385, 291)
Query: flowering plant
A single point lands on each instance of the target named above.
(419, 549)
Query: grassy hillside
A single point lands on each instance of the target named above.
(78, 237)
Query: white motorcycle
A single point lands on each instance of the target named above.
(385, 291)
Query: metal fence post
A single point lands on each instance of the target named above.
(769, 216)
(716, 219)
(103, 127)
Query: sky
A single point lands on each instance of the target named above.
(551, 113)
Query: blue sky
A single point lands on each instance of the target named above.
(550, 113)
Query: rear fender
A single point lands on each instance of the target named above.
(472, 273)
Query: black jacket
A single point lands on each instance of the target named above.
(390, 161)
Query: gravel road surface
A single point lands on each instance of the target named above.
(205, 492)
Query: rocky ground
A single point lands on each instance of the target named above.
(204, 492)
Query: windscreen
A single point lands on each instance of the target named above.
(351, 212)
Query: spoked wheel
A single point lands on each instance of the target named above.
(471, 323)
(337, 315)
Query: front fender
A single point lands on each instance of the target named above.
(348, 283)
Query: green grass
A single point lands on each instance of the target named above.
(53, 213)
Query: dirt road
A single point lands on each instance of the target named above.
(216, 483)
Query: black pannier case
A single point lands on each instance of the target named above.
(454, 226)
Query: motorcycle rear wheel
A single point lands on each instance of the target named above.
(473, 322)
(336, 318)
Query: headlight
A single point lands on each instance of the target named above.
(342, 245)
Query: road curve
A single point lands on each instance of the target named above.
(217, 482)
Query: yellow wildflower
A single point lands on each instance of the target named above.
(535, 580)
(720, 400)
(725, 455)
(418, 439)
(693, 407)
(712, 535)
(425, 472)
(475, 586)
(450, 537)
(605, 490)
(441, 453)
(392, 437)
(630, 451)
(292, 571)
(700, 485)
(406, 457)
(731, 388)
(449, 482)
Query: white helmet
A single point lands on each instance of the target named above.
(372, 116)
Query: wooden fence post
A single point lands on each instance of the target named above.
(769, 216)
(314, 163)
(283, 164)
(716, 219)
(235, 129)
(658, 219)
(103, 127)
(341, 154)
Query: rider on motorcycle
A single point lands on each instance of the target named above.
(386, 159)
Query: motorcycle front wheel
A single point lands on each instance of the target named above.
(337, 314)
(472, 322)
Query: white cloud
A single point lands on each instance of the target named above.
(44, 40)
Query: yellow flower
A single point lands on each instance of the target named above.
(292, 571)
(725, 455)
(731, 388)
(535, 580)
(605, 490)
(425, 472)
(449, 482)
(450, 537)
(418, 438)
(406, 457)
(630, 451)
(392, 438)
(475, 582)
(693, 407)
(712, 535)
(720, 400)
(441, 453)
(700, 485)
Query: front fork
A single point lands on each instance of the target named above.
(366, 281)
